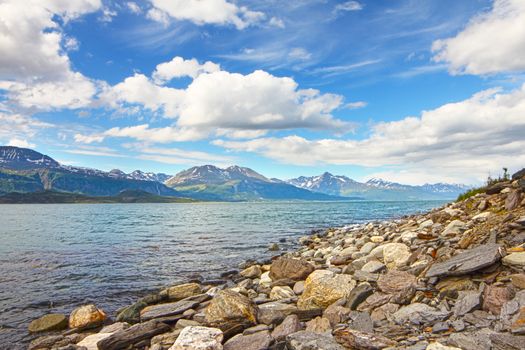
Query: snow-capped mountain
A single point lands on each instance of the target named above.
(23, 158)
(237, 183)
(325, 183)
(210, 174)
(377, 189)
(26, 170)
(140, 175)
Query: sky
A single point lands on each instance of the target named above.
(412, 91)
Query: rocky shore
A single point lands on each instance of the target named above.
(453, 278)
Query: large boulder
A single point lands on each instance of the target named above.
(323, 287)
(229, 306)
(47, 323)
(199, 338)
(294, 269)
(87, 316)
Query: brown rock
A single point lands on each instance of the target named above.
(253, 271)
(86, 316)
(396, 281)
(293, 269)
(518, 281)
(182, 291)
(255, 341)
(518, 326)
(228, 306)
(323, 287)
(340, 260)
(336, 314)
(291, 324)
(450, 286)
(132, 335)
(353, 339)
(50, 322)
(495, 297)
(319, 325)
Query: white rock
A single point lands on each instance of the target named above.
(455, 227)
(377, 239)
(90, 342)
(426, 224)
(395, 255)
(281, 292)
(348, 251)
(515, 259)
(265, 281)
(482, 216)
(198, 338)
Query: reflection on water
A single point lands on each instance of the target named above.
(56, 257)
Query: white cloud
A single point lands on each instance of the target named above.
(277, 22)
(74, 91)
(19, 127)
(299, 53)
(492, 42)
(222, 103)
(134, 7)
(219, 12)
(356, 105)
(348, 6)
(34, 67)
(178, 67)
(459, 141)
(182, 156)
(23, 143)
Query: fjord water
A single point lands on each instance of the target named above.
(55, 257)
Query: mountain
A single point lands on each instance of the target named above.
(237, 184)
(376, 189)
(25, 170)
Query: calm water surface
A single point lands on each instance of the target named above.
(55, 257)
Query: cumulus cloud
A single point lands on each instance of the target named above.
(492, 42)
(220, 102)
(458, 141)
(34, 67)
(218, 12)
(178, 67)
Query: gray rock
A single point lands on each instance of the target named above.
(440, 327)
(419, 314)
(358, 295)
(361, 321)
(304, 340)
(274, 312)
(507, 342)
(467, 301)
(468, 261)
(167, 309)
(479, 340)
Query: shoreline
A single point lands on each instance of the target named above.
(365, 284)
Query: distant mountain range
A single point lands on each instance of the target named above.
(376, 189)
(237, 184)
(27, 171)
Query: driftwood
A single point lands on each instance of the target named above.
(468, 261)
(132, 335)
(167, 309)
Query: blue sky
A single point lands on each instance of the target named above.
(410, 91)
